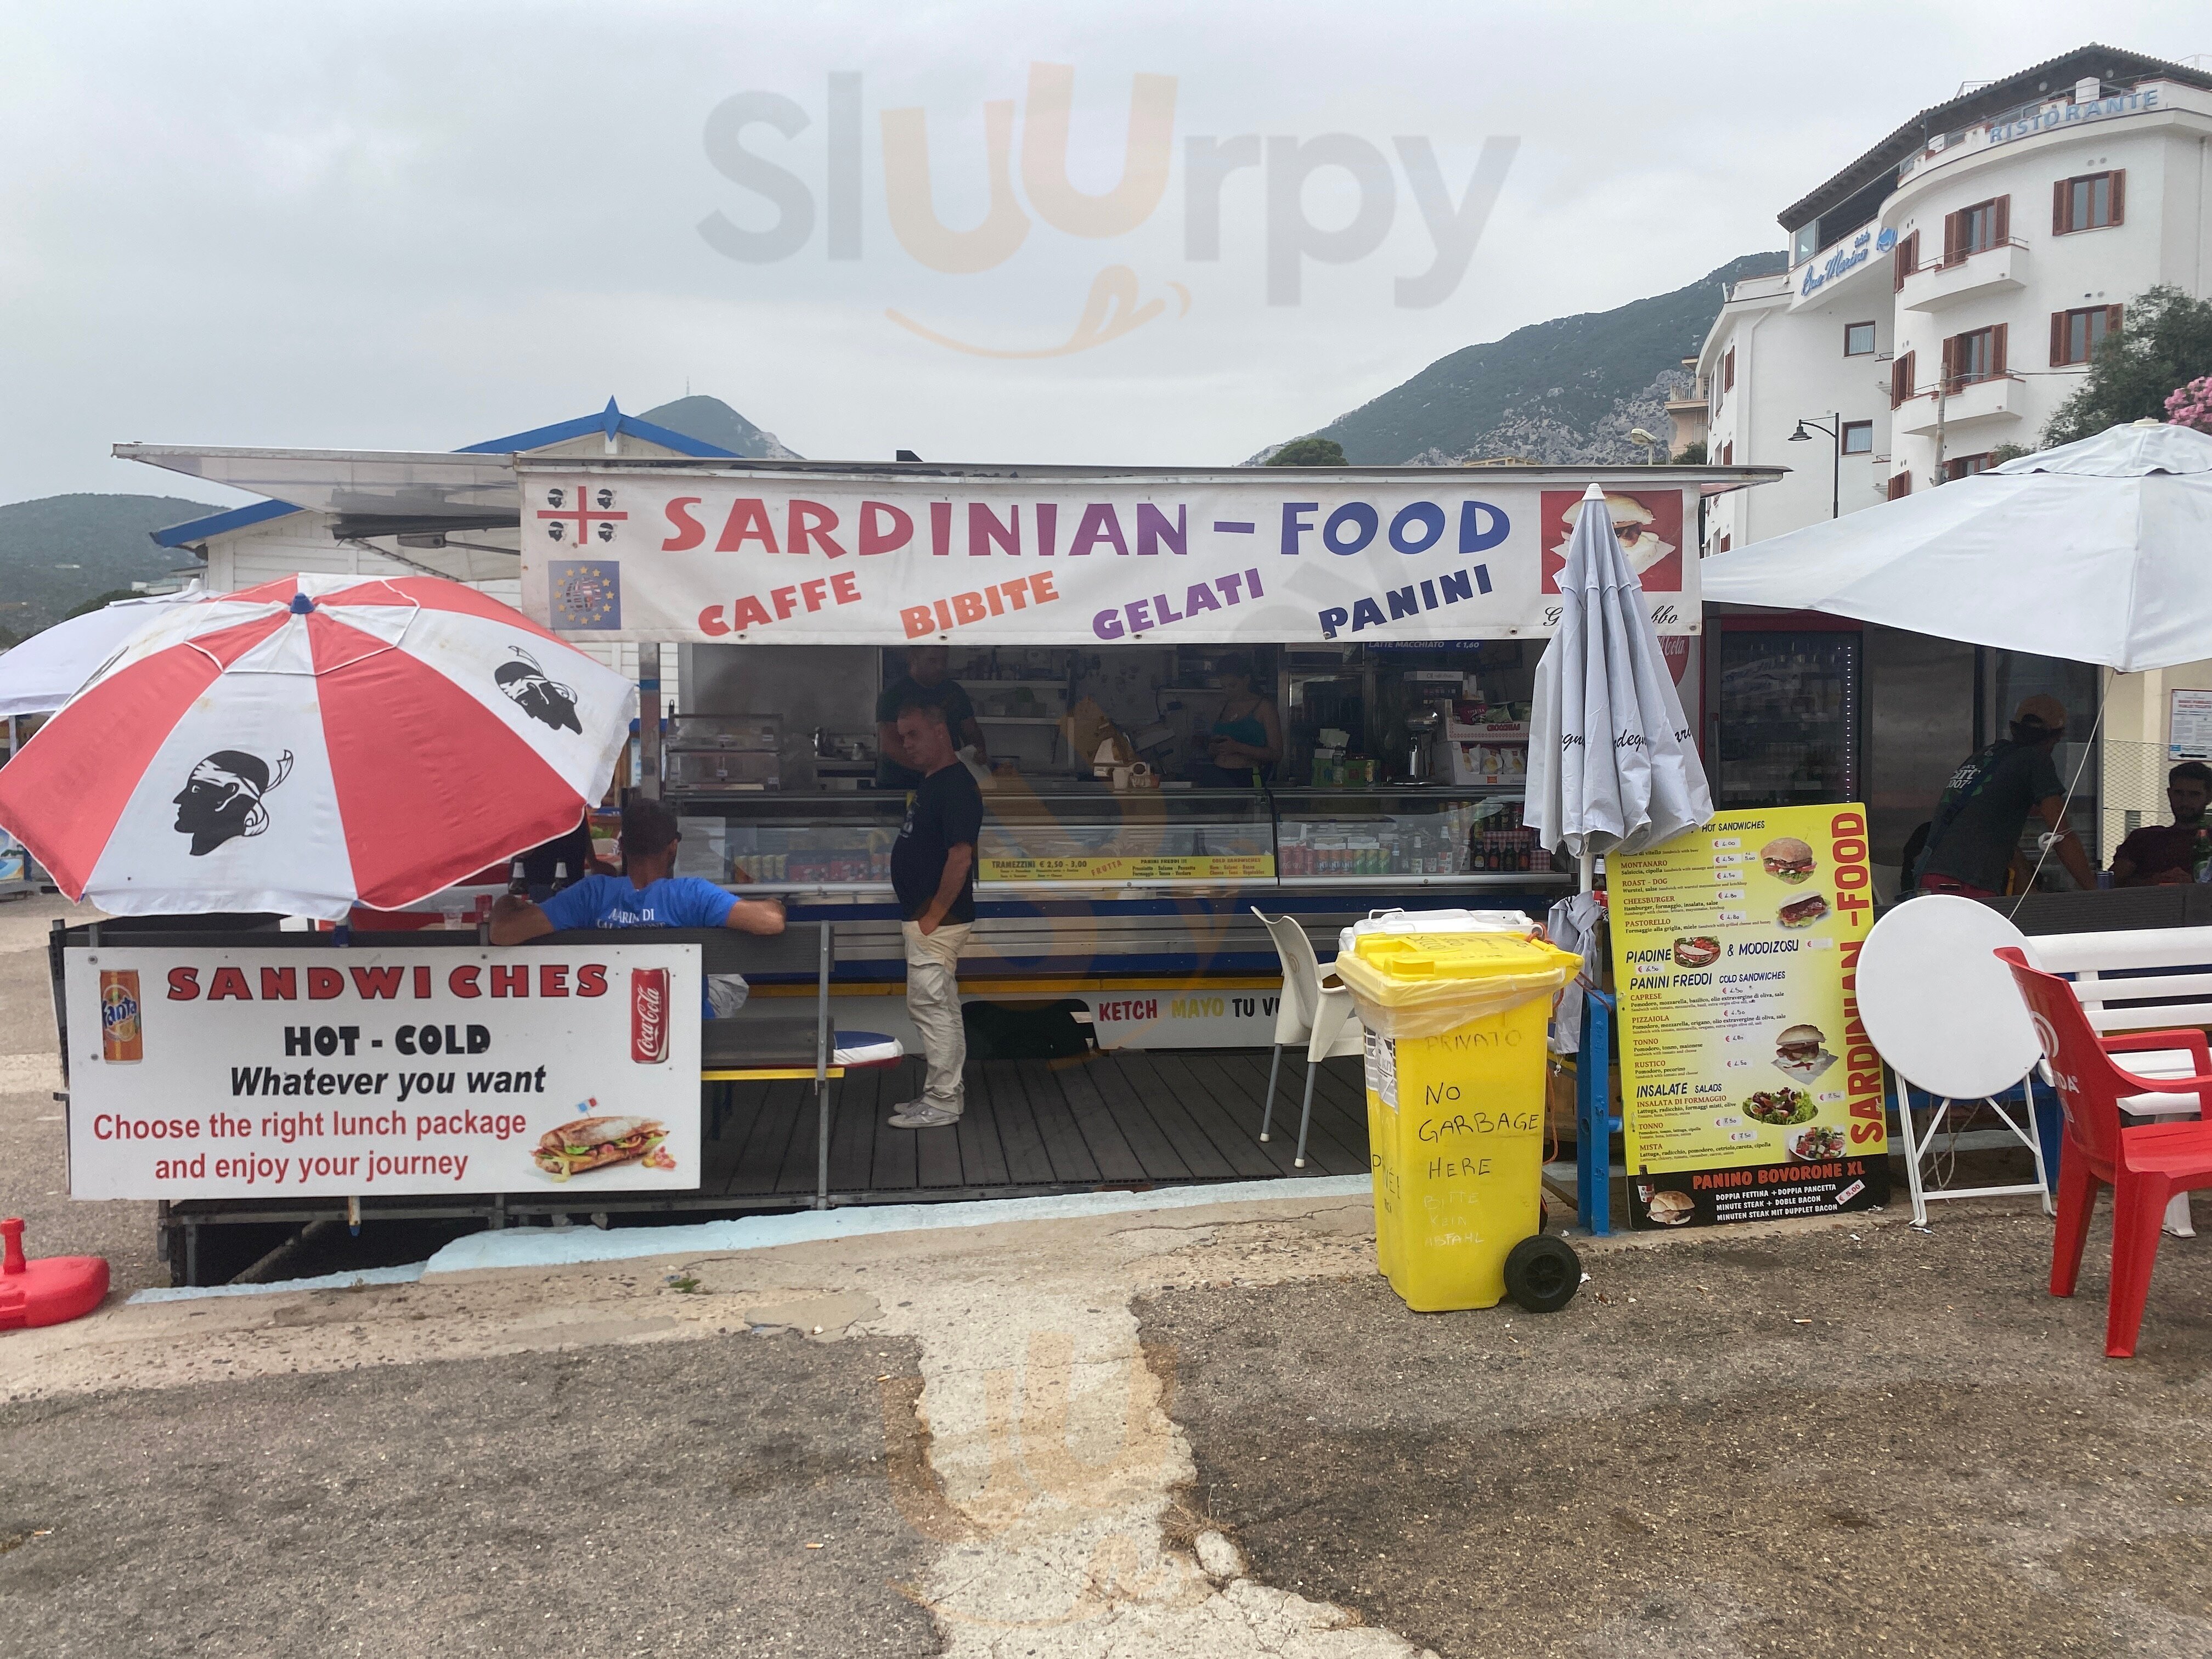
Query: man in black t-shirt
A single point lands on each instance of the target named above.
(1975, 832)
(924, 681)
(933, 873)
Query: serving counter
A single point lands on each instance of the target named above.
(1138, 903)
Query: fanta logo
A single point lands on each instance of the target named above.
(804, 186)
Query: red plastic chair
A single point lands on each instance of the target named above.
(2144, 1164)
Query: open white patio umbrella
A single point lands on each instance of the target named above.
(2099, 551)
(43, 672)
(1610, 761)
(314, 742)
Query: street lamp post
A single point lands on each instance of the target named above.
(1834, 432)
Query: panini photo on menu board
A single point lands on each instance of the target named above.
(1749, 1089)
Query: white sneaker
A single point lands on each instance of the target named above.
(921, 1114)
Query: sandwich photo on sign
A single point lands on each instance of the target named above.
(1701, 952)
(1798, 1056)
(593, 1143)
(1804, 911)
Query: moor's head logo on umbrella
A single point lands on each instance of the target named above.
(536, 696)
(222, 800)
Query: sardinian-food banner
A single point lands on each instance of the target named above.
(273, 1073)
(1276, 555)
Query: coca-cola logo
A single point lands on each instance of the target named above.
(648, 1015)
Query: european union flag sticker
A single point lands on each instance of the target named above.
(586, 592)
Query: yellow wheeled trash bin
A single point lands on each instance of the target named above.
(1455, 1053)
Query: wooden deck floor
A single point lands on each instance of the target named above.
(1121, 1119)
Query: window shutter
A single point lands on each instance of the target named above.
(1997, 352)
(1950, 229)
(1728, 371)
(2003, 234)
(2058, 339)
(1900, 486)
(1950, 356)
(2059, 212)
(2112, 319)
(2119, 195)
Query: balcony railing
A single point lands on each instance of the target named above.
(1959, 399)
(1941, 282)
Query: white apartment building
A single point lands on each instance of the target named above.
(1945, 291)
(1941, 298)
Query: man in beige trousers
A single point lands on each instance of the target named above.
(933, 873)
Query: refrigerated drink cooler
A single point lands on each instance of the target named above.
(1786, 727)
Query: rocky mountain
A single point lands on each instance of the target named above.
(1565, 391)
(59, 550)
(713, 422)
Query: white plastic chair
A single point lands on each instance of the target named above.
(1314, 1009)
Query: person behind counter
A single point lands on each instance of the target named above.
(647, 894)
(1248, 732)
(924, 682)
(2165, 856)
(933, 873)
(1975, 835)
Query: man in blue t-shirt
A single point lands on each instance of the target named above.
(647, 894)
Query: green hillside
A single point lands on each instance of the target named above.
(713, 422)
(59, 550)
(1565, 390)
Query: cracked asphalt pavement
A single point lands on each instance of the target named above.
(656, 1498)
(1813, 1444)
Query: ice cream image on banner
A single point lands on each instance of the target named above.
(542, 699)
(221, 800)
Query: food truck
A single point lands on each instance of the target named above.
(1393, 616)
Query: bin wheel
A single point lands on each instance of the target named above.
(1542, 1273)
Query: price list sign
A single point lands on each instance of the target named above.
(1749, 1089)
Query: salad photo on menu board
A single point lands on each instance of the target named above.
(1748, 1088)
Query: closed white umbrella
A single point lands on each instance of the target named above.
(43, 672)
(2099, 551)
(1610, 764)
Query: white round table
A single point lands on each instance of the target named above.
(1945, 1014)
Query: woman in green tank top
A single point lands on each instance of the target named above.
(1248, 732)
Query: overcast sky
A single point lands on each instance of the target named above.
(418, 225)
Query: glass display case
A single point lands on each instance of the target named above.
(1070, 836)
(1325, 835)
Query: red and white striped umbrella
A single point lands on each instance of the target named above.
(314, 742)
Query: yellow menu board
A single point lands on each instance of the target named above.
(1748, 1088)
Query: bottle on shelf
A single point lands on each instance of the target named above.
(518, 882)
(560, 874)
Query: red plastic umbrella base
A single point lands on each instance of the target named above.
(50, 1291)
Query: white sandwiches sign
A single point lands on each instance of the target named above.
(275, 1073)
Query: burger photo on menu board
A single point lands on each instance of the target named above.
(1800, 1054)
(1804, 911)
(1672, 1209)
(1787, 858)
(593, 1143)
